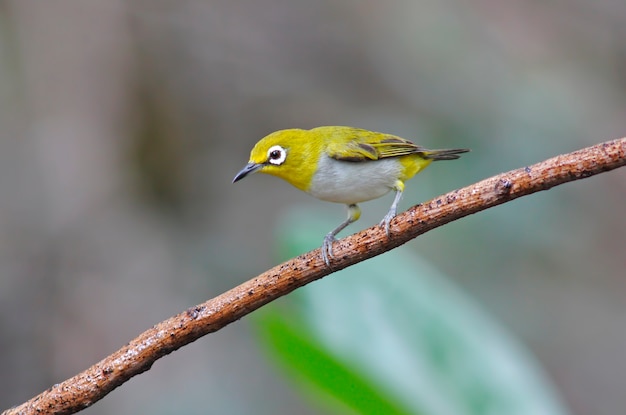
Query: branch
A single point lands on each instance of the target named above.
(138, 356)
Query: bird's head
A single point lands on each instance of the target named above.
(291, 155)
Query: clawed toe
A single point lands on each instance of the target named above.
(327, 249)
(385, 222)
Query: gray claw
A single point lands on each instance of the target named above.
(327, 249)
(386, 221)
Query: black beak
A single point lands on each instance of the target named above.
(249, 168)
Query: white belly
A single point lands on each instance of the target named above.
(353, 182)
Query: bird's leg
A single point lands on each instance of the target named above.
(393, 210)
(354, 213)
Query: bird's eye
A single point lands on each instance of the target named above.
(276, 155)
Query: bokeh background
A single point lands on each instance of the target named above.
(122, 124)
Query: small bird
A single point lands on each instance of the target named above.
(343, 165)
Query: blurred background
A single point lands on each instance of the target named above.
(122, 124)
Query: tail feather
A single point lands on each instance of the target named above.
(446, 154)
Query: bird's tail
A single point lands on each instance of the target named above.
(446, 154)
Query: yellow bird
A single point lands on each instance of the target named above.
(343, 165)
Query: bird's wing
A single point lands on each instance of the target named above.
(363, 145)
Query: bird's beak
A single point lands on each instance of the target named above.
(249, 168)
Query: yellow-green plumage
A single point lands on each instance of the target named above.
(343, 165)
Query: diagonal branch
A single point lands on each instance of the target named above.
(138, 356)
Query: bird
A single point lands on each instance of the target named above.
(343, 165)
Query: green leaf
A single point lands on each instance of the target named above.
(392, 335)
(309, 363)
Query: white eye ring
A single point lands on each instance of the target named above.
(276, 155)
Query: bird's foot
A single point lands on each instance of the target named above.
(327, 248)
(387, 220)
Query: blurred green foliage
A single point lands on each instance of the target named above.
(393, 335)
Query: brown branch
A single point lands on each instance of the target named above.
(138, 356)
